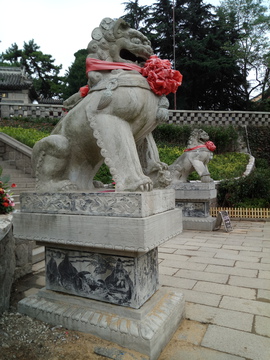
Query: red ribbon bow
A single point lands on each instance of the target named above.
(209, 145)
(161, 77)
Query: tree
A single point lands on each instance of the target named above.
(136, 15)
(160, 28)
(252, 48)
(40, 67)
(76, 75)
(211, 77)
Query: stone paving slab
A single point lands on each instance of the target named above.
(231, 271)
(250, 282)
(203, 298)
(262, 326)
(247, 265)
(244, 305)
(199, 253)
(199, 275)
(198, 353)
(229, 290)
(217, 316)
(176, 282)
(184, 265)
(237, 342)
(208, 260)
(263, 295)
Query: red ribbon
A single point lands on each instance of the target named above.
(97, 65)
(209, 145)
(162, 79)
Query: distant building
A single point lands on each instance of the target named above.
(15, 86)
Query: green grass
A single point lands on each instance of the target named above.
(222, 166)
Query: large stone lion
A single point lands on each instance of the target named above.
(195, 158)
(112, 124)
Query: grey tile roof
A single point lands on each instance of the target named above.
(14, 78)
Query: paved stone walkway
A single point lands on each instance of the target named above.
(226, 281)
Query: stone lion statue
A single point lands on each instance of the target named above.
(195, 158)
(113, 123)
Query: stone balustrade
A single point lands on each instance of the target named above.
(176, 117)
(9, 110)
(219, 118)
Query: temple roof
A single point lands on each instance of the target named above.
(14, 78)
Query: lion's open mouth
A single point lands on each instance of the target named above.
(129, 56)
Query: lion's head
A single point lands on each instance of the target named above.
(197, 137)
(115, 41)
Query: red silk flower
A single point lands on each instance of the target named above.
(161, 77)
(210, 146)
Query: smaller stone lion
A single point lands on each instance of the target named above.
(195, 158)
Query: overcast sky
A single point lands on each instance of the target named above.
(59, 27)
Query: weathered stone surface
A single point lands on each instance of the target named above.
(195, 191)
(121, 280)
(110, 124)
(195, 158)
(7, 261)
(140, 204)
(104, 232)
(195, 199)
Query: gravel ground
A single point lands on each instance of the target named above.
(24, 338)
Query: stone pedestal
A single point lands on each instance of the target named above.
(7, 261)
(102, 264)
(195, 199)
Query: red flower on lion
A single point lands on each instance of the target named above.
(161, 77)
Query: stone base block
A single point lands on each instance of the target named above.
(101, 232)
(146, 330)
(121, 280)
(199, 223)
(195, 191)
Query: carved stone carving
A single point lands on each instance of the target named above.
(195, 158)
(109, 124)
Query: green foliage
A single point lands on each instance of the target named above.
(27, 136)
(250, 191)
(259, 141)
(136, 14)
(168, 154)
(252, 19)
(229, 165)
(104, 175)
(75, 75)
(172, 134)
(224, 137)
(44, 125)
(40, 67)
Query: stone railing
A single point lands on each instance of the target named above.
(9, 110)
(176, 117)
(219, 118)
(15, 153)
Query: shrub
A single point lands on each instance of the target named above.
(259, 141)
(249, 191)
(168, 154)
(27, 136)
(224, 137)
